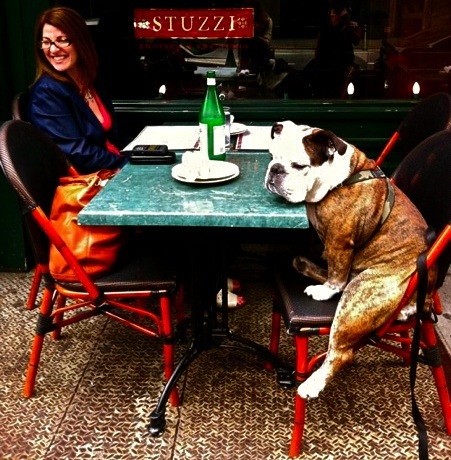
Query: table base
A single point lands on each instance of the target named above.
(208, 267)
(285, 375)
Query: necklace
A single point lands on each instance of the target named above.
(89, 97)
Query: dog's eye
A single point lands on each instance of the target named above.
(299, 167)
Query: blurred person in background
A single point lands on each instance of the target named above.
(329, 72)
(255, 53)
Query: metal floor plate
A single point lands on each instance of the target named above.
(97, 386)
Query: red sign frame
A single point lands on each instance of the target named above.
(194, 23)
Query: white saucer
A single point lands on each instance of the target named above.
(220, 171)
(237, 128)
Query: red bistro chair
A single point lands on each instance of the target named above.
(428, 117)
(19, 108)
(424, 176)
(33, 164)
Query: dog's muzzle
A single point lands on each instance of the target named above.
(274, 177)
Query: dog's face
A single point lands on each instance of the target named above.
(306, 162)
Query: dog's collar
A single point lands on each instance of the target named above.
(375, 174)
(364, 175)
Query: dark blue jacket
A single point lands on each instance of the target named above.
(59, 110)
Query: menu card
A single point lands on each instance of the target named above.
(175, 137)
(254, 138)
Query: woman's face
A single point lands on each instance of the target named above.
(63, 59)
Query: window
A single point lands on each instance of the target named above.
(400, 43)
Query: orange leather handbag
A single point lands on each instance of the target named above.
(96, 247)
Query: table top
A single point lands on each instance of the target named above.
(147, 195)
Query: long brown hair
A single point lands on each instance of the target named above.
(73, 25)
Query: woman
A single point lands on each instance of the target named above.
(67, 101)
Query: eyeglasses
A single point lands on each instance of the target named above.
(59, 43)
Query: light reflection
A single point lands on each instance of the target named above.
(416, 90)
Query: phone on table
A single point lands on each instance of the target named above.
(151, 154)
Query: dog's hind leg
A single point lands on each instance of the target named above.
(319, 379)
(366, 304)
(307, 268)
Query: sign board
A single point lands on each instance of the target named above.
(194, 23)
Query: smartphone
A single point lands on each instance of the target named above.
(151, 148)
(150, 154)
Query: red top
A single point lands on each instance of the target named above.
(106, 124)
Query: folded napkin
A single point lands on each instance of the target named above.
(195, 165)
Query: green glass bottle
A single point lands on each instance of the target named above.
(212, 122)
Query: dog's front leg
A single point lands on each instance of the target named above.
(339, 251)
(307, 268)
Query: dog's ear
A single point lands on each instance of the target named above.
(276, 129)
(322, 145)
(328, 141)
(339, 145)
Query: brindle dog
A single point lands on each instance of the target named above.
(371, 231)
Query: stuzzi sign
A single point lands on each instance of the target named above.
(195, 23)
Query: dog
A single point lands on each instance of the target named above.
(371, 232)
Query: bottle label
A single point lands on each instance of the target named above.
(217, 145)
(219, 140)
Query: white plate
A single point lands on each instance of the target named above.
(220, 171)
(237, 128)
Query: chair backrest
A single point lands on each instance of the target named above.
(33, 164)
(431, 115)
(424, 175)
(428, 117)
(20, 106)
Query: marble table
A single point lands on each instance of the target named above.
(209, 219)
(148, 195)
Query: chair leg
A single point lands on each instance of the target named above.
(436, 366)
(41, 329)
(298, 428)
(301, 344)
(168, 346)
(34, 289)
(60, 303)
(275, 335)
(406, 347)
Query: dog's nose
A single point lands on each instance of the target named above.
(277, 168)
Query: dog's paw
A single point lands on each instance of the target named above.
(312, 387)
(321, 291)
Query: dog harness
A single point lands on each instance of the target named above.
(375, 174)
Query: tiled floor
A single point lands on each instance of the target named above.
(97, 386)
